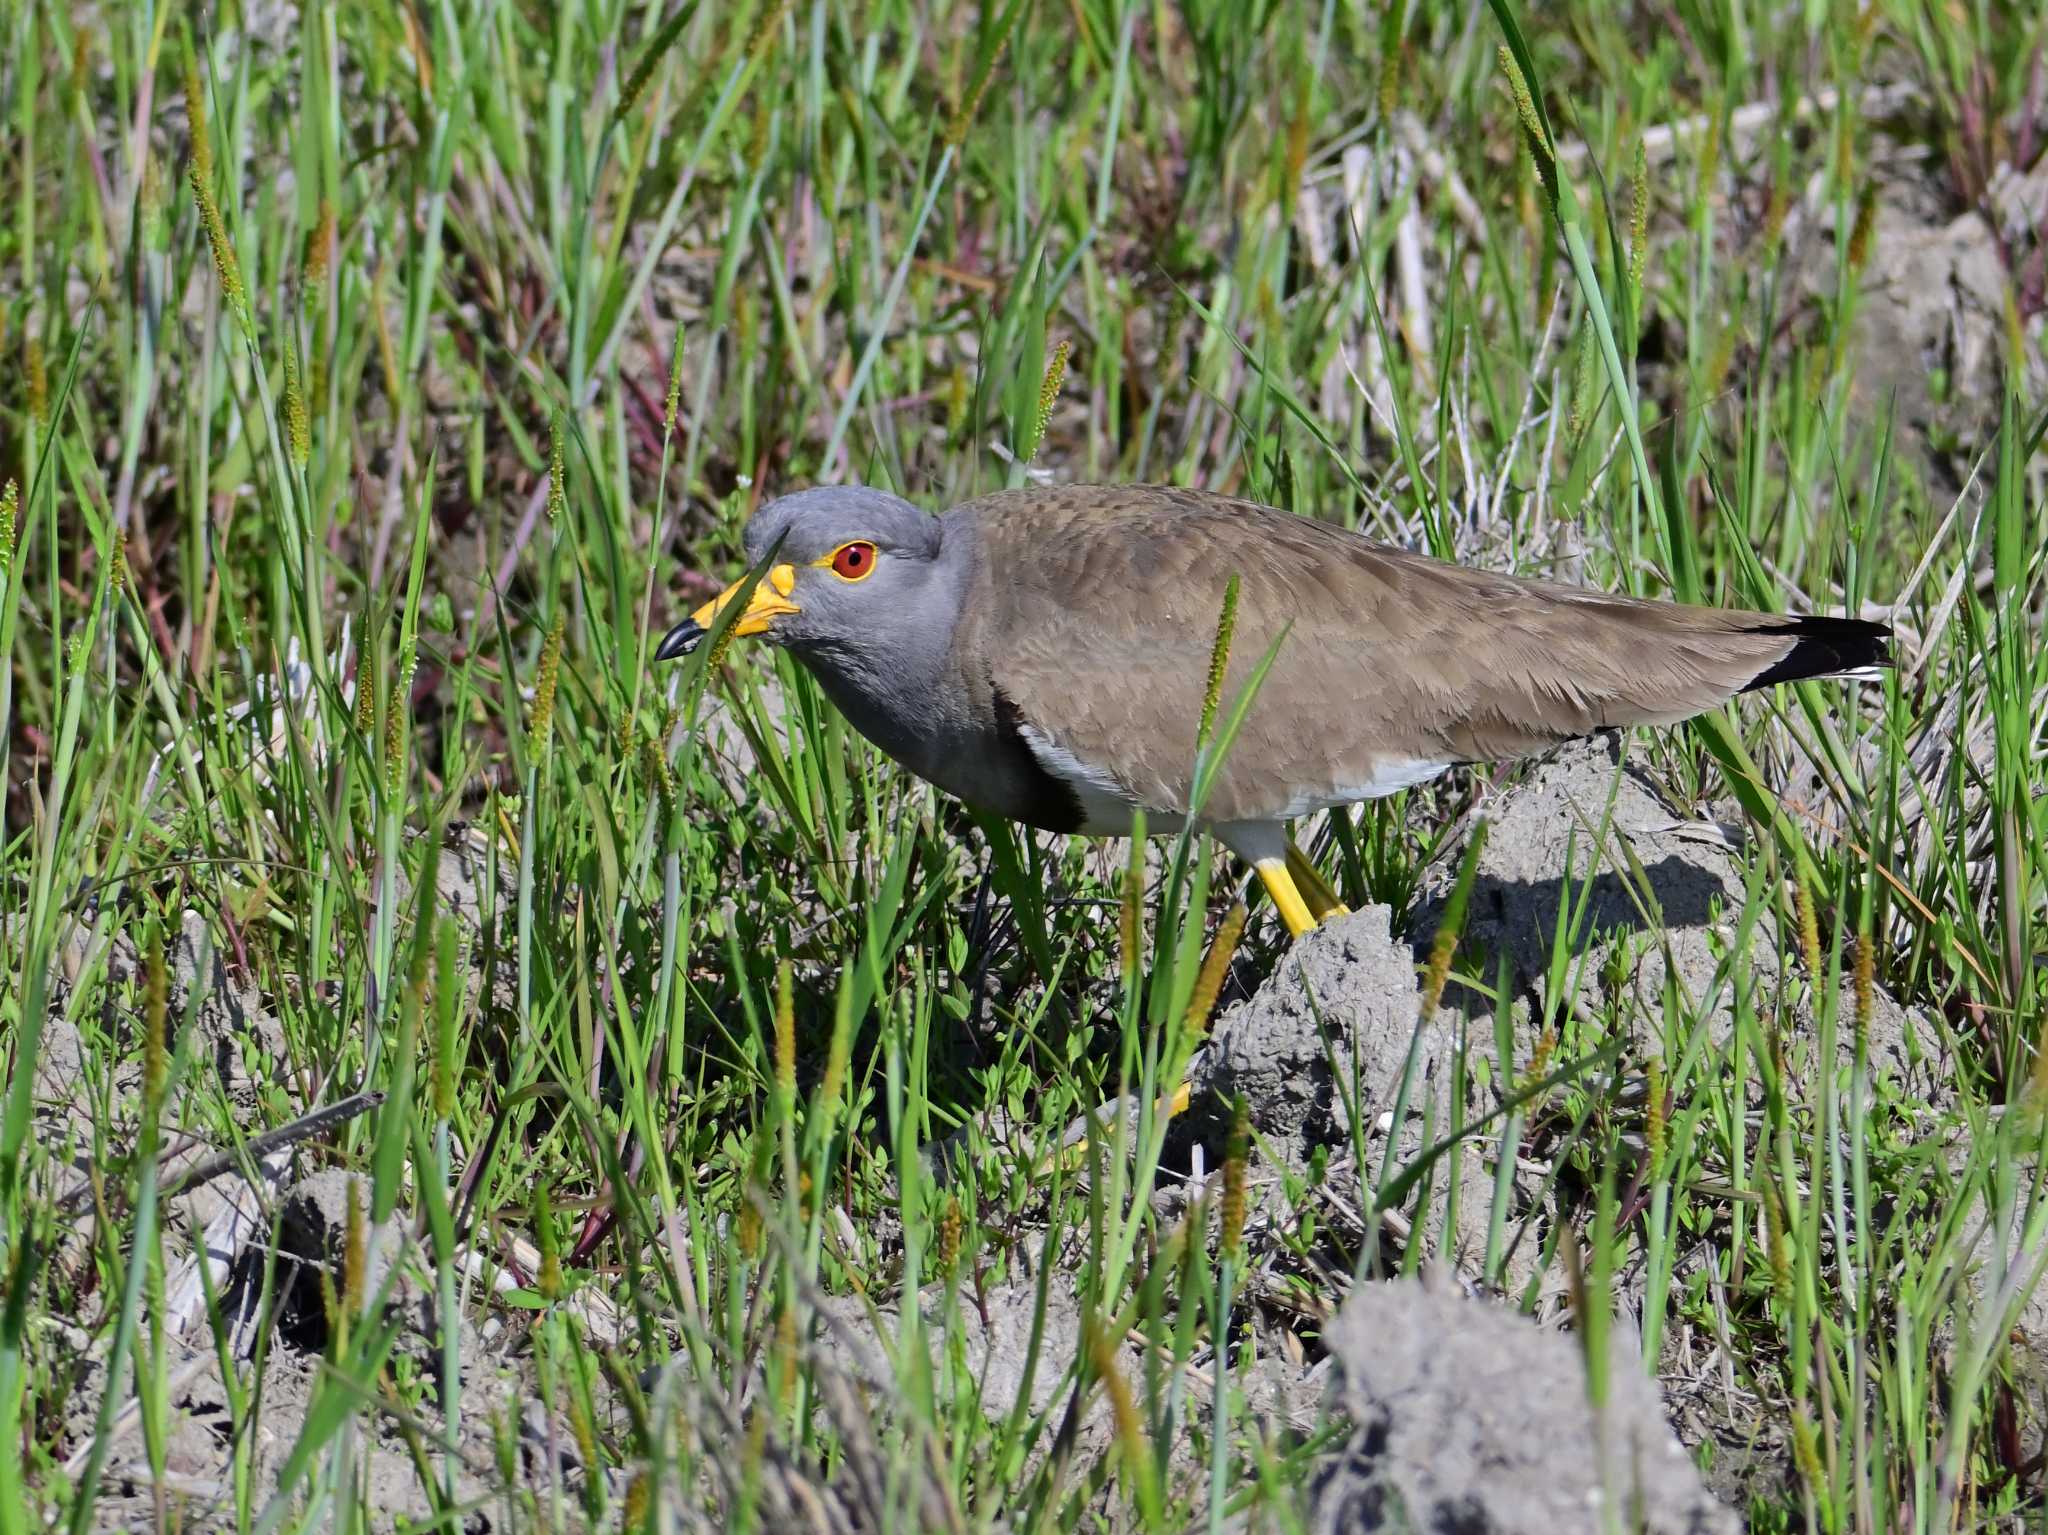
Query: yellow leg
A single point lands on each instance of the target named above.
(1322, 900)
(1279, 883)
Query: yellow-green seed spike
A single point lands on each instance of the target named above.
(1585, 383)
(226, 268)
(1237, 1148)
(195, 119)
(542, 725)
(298, 426)
(1860, 234)
(1639, 224)
(1532, 126)
(155, 1015)
(1048, 396)
(10, 513)
(558, 470)
(319, 251)
(1215, 966)
(766, 33)
(1130, 1428)
(1809, 929)
(1219, 659)
(1866, 987)
(1130, 926)
(394, 739)
(674, 398)
(448, 996)
(643, 68)
(1655, 1128)
(970, 105)
(785, 1034)
(1393, 31)
(355, 1253)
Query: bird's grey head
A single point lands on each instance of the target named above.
(853, 572)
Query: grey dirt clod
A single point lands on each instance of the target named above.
(1468, 1419)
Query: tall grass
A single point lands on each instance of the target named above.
(384, 378)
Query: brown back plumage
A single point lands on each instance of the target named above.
(1100, 611)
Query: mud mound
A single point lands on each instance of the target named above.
(1664, 904)
(1346, 991)
(1337, 1031)
(1468, 1418)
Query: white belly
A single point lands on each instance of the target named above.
(1107, 806)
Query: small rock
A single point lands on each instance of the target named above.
(1470, 1418)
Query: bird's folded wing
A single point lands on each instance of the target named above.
(1104, 610)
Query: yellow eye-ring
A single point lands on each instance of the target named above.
(854, 561)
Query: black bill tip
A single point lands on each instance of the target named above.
(680, 641)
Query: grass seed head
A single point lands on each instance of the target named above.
(541, 728)
(1776, 209)
(226, 268)
(1720, 359)
(1710, 154)
(1539, 1061)
(1392, 48)
(558, 471)
(1860, 234)
(1809, 930)
(1585, 387)
(1806, 1449)
(970, 105)
(655, 776)
(355, 1253)
(748, 1230)
(1048, 396)
(298, 426)
(1639, 223)
(1656, 1129)
(1781, 1250)
(766, 34)
(1297, 150)
(673, 400)
(10, 515)
(448, 996)
(1215, 966)
(1532, 126)
(1219, 660)
(195, 119)
(950, 1226)
(785, 1034)
(1130, 1428)
(318, 255)
(394, 741)
(1130, 925)
(1237, 1150)
(366, 693)
(156, 1053)
(643, 68)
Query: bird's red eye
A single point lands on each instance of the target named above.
(850, 562)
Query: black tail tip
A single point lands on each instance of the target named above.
(1827, 647)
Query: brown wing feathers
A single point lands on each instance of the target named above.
(1105, 604)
